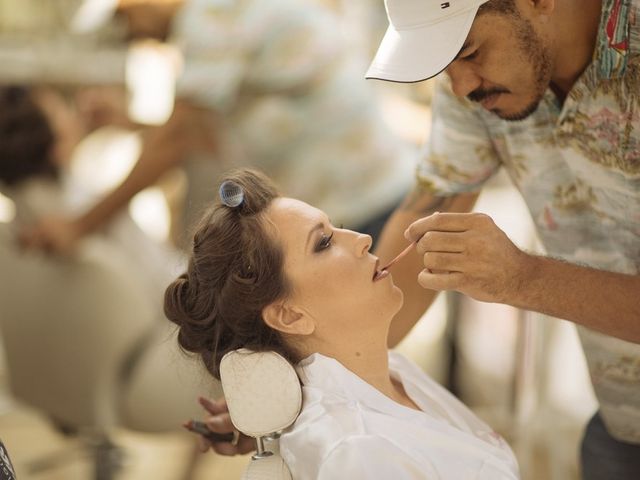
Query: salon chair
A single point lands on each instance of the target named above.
(264, 397)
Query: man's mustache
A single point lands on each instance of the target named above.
(480, 94)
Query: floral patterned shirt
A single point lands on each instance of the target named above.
(577, 166)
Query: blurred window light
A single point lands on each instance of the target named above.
(7, 209)
(92, 14)
(150, 211)
(151, 72)
(110, 151)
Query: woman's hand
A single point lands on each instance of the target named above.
(219, 421)
(51, 234)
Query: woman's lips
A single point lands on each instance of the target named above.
(380, 274)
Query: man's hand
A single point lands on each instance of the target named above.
(468, 253)
(219, 421)
(51, 234)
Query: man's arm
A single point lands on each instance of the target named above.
(604, 301)
(417, 299)
(480, 261)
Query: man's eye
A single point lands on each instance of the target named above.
(471, 56)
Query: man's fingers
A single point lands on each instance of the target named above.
(443, 261)
(213, 407)
(440, 281)
(224, 448)
(203, 444)
(433, 241)
(220, 423)
(443, 222)
(245, 445)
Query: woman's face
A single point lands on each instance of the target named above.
(331, 270)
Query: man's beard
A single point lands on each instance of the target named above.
(531, 47)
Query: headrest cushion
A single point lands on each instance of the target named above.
(262, 390)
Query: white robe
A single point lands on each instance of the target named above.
(348, 429)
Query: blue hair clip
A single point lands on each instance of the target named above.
(231, 194)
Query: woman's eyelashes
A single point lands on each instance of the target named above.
(324, 242)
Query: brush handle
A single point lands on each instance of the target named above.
(201, 428)
(400, 256)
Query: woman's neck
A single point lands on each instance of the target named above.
(368, 358)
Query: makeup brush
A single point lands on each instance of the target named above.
(384, 271)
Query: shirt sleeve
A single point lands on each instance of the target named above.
(372, 458)
(459, 156)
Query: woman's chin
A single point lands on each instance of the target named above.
(400, 299)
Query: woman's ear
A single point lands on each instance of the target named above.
(287, 319)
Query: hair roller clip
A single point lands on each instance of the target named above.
(231, 194)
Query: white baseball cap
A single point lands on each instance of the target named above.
(424, 36)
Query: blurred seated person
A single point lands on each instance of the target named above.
(266, 83)
(274, 274)
(39, 130)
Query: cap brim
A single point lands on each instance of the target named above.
(420, 53)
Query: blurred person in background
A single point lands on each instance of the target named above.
(39, 131)
(264, 83)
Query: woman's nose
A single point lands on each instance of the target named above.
(464, 79)
(363, 244)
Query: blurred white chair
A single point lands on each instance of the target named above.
(68, 326)
(87, 345)
(264, 397)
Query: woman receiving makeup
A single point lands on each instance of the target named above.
(273, 273)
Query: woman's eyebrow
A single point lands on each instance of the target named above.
(319, 226)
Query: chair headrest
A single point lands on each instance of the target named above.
(262, 390)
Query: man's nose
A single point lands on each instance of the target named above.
(464, 79)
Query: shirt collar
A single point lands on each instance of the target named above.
(613, 43)
(333, 378)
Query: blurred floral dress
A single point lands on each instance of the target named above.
(577, 166)
(293, 101)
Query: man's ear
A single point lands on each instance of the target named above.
(288, 319)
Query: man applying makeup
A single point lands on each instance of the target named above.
(549, 90)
